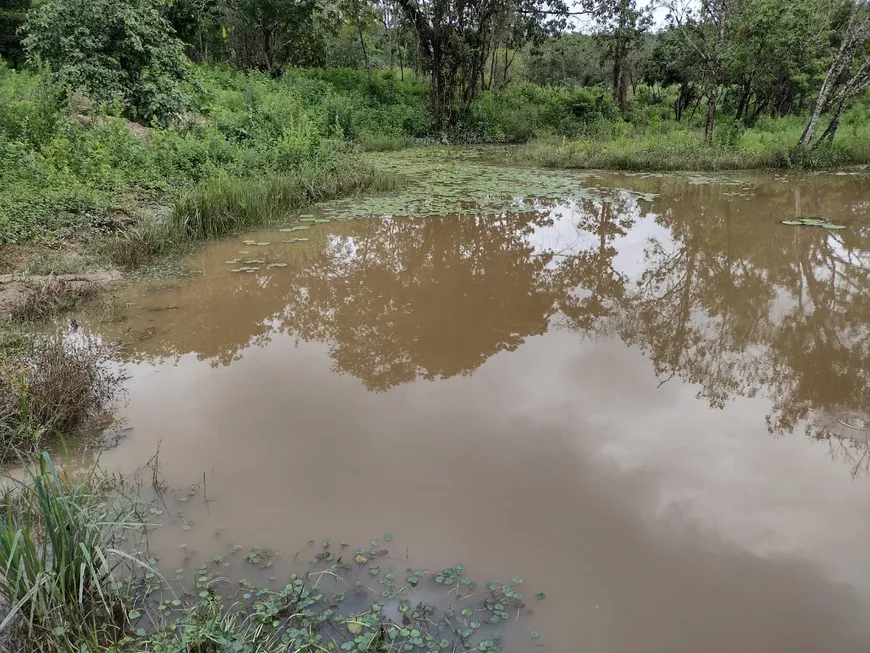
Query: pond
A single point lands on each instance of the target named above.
(641, 393)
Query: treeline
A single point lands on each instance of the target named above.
(744, 59)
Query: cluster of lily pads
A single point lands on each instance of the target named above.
(450, 182)
(813, 222)
(253, 264)
(351, 602)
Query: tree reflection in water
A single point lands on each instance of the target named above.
(727, 298)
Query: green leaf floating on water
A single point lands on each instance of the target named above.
(301, 227)
(812, 222)
(290, 241)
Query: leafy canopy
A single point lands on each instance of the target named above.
(112, 51)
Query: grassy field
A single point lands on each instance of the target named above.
(770, 146)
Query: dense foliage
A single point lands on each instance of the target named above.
(276, 87)
(113, 52)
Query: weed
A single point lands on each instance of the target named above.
(63, 569)
(679, 148)
(52, 385)
(50, 296)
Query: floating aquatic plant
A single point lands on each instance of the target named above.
(812, 222)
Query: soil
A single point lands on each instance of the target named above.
(15, 290)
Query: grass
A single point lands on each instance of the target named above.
(51, 385)
(229, 204)
(65, 578)
(256, 147)
(673, 147)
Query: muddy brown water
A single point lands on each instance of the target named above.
(652, 404)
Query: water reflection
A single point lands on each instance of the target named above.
(600, 374)
(707, 285)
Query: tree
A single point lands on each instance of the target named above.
(270, 33)
(567, 59)
(774, 52)
(848, 75)
(112, 51)
(621, 24)
(705, 29)
(672, 62)
(455, 39)
(12, 16)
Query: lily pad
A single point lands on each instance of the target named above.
(263, 244)
(290, 241)
(812, 222)
(301, 227)
(277, 265)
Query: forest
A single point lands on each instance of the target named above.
(135, 108)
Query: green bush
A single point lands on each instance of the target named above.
(519, 112)
(113, 52)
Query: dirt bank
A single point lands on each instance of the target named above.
(24, 297)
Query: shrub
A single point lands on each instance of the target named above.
(52, 385)
(51, 296)
(123, 52)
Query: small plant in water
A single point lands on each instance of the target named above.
(353, 607)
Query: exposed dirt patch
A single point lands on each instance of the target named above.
(35, 297)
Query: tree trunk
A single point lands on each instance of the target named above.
(362, 41)
(828, 134)
(618, 75)
(267, 47)
(854, 87)
(821, 105)
(853, 38)
(712, 99)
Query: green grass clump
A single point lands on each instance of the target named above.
(228, 204)
(61, 558)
